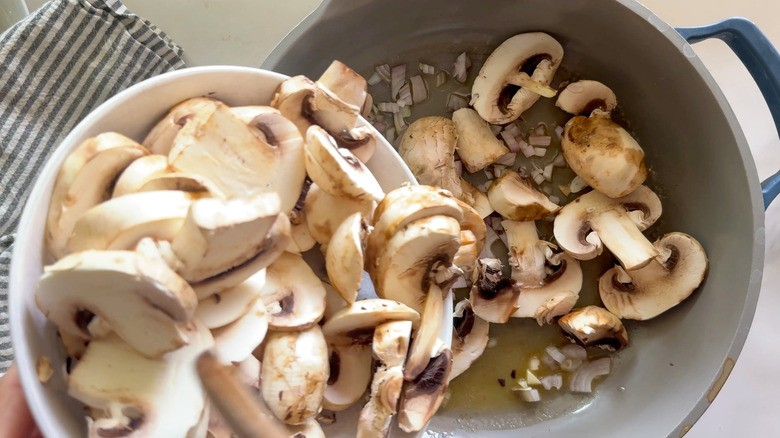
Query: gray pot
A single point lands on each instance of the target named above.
(700, 160)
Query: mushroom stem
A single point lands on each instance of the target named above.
(522, 79)
(621, 235)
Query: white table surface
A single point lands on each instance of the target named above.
(234, 32)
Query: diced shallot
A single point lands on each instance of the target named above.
(460, 67)
(492, 342)
(540, 140)
(426, 68)
(419, 88)
(512, 129)
(541, 129)
(582, 380)
(560, 161)
(554, 353)
(547, 190)
(574, 351)
(531, 378)
(548, 172)
(484, 188)
(399, 122)
(537, 176)
(507, 159)
(498, 171)
(510, 141)
(570, 364)
(559, 131)
(577, 184)
(374, 79)
(381, 127)
(459, 167)
(456, 102)
(397, 79)
(388, 107)
(495, 129)
(540, 151)
(390, 135)
(533, 363)
(529, 394)
(554, 381)
(527, 150)
(383, 70)
(440, 78)
(405, 95)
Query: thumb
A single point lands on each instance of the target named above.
(15, 418)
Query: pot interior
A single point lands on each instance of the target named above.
(699, 165)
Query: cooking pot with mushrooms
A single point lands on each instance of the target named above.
(668, 101)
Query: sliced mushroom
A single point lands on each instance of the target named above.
(293, 294)
(473, 223)
(301, 238)
(308, 429)
(219, 235)
(428, 148)
(477, 145)
(344, 257)
(390, 345)
(469, 338)
(85, 179)
(526, 253)
(604, 154)
(236, 341)
(142, 395)
(665, 282)
(140, 298)
(160, 138)
(515, 198)
(426, 335)
(513, 75)
(493, 297)
(120, 223)
(294, 374)
(475, 198)
(336, 170)
(361, 317)
(345, 83)
(350, 374)
(594, 326)
(422, 397)
(583, 224)
(333, 302)
(151, 173)
(324, 212)
(223, 308)
(282, 135)
(558, 293)
(585, 96)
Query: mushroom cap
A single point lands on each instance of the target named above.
(345, 83)
(350, 375)
(325, 212)
(659, 286)
(477, 145)
(84, 180)
(293, 294)
(222, 308)
(604, 154)
(469, 338)
(515, 198)
(495, 98)
(475, 198)
(134, 294)
(236, 341)
(557, 295)
(422, 397)
(583, 224)
(428, 147)
(585, 96)
(594, 326)
(294, 373)
(344, 256)
(160, 139)
(361, 317)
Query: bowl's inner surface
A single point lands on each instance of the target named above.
(696, 167)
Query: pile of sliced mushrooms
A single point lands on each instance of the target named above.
(479, 155)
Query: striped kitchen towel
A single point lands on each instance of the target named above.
(56, 65)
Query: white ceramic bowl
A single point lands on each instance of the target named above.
(132, 112)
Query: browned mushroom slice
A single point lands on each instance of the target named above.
(293, 294)
(594, 326)
(493, 297)
(422, 397)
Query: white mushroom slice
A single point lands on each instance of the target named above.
(360, 141)
(160, 139)
(526, 253)
(557, 294)
(647, 292)
(151, 173)
(305, 104)
(473, 223)
(282, 135)
(467, 254)
(301, 239)
(428, 148)
(350, 374)
(219, 235)
(222, 308)
(604, 155)
(294, 374)
(475, 198)
(120, 223)
(236, 341)
(344, 257)
(337, 170)
(333, 302)
(75, 346)
(309, 429)
(390, 345)
(277, 239)
(477, 146)
(142, 395)
(293, 294)
(345, 83)
(324, 212)
(469, 338)
(405, 265)
(143, 300)
(85, 180)
(501, 89)
(364, 315)
(585, 96)
(422, 397)
(594, 326)
(426, 335)
(583, 224)
(493, 297)
(515, 198)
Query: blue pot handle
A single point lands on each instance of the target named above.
(762, 61)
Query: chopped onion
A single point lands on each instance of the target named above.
(550, 362)
(565, 190)
(541, 129)
(559, 131)
(456, 102)
(560, 161)
(459, 167)
(534, 363)
(492, 342)
(383, 70)
(531, 378)
(390, 135)
(529, 394)
(507, 159)
(374, 79)
(522, 171)
(570, 364)
(540, 140)
(527, 150)
(548, 172)
(484, 188)
(399, 122)
(537, 176)
(441, 78)
(405, 95)
(512, 130)
(547, 190)
(577, 184)
(419, 88)
(425, 68)
(460, 67)
(388, 107)
(540, 151)
(488, 173)
(498, 171)
(555, 353)
(555, 200)
(381, 127)
(574, 351)
(510, 141)
(495, 129)
(522, 383)
(397, 79)
(581, 380)
(554, 381)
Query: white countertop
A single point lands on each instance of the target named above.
(233, 32)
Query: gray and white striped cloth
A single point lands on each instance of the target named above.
(55, 67)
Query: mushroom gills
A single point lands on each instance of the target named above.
(293, 294)
(350, 374)
(585, 96)
(422, 397)
(493, 297)
(594, 326)
(469, 338)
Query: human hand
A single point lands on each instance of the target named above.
(15, 418)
